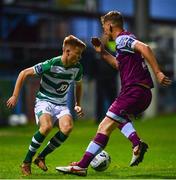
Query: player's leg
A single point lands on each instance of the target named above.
(99, 142)
(135, 101)
(139, 147)
(45, 123)
(65, 124)
(95, 146)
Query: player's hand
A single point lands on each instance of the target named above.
(97, 44)
(162, 79)
(11, 102)
(79, 111)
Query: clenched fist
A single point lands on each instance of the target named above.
(96, 41)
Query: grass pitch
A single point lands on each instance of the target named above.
(159, 161)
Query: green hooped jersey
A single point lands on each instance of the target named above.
(56, 79)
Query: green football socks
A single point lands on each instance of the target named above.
(37, 139)
(55, 142)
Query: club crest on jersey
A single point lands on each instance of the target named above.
(48, 109)
(62, 87)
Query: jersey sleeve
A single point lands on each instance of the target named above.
(40, 68)
(79, 74)
(126, 43)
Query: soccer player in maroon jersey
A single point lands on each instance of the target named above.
(135, 95)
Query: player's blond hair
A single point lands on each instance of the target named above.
(74, 41)
(114, 17)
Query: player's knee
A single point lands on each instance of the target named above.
(45, 129)
(67, 128)
(102, 129)
(106, 127)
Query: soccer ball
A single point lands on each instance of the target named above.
(101, 161)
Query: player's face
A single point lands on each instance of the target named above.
(107, 30)
(73, 54)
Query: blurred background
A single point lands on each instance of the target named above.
(33, 31)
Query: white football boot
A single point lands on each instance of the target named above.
(72, 169)
(138, 153)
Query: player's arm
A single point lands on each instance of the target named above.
(78, 96)
(106, 56)
(11, 102)
(149, 56)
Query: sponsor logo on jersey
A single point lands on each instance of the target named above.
(62, 87)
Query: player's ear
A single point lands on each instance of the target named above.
(67, 52)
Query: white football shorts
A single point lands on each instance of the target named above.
(56, 111)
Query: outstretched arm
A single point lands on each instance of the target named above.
(98, 46)
(148, 54)
(19, 83)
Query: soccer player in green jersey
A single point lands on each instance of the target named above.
(56, 75)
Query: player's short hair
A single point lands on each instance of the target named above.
(74, 41)
(115, 17)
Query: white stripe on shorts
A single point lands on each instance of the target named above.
(116, 117)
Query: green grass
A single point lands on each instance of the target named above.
(159, 162)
